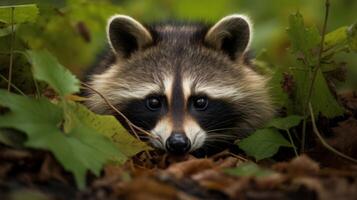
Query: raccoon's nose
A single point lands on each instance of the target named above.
(178, 143)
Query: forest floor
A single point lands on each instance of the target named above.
(316, 174)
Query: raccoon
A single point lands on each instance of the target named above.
(188, 84)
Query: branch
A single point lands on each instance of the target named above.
(11, 49)
(131, 125)
(323, 141)
(12, 85)
(313, 78)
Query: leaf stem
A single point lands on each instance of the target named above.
(292, 142)
(323, 141)
(314, 75)
(11, 49)
(12, 85)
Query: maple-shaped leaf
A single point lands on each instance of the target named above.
(79, 150)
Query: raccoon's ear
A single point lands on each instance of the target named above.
(126, 35)
(231, 34)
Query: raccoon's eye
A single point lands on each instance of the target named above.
(200, 103)
(153, 103)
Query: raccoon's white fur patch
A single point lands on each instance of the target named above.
(194, 132)
(119, 91)
(252, 85)
(163, 131)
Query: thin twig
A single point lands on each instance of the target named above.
(11, 49)
(292, 142)
(131, 125)
(323, 141)
(314, 75)
(12, 85)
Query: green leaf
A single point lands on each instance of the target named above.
(22, 13)
(249, 169)
(286, 122)
(336, 38)
(47, 68)
(263, 143)
(352, 37)
(12, 137)
(279, 96)
(6, 31)
(111, 128)
(321, 99)
(82, 149)
(303, 40)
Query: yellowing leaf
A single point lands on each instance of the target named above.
(111, 128)
(352, 37)
(336, 37)
(22, 13)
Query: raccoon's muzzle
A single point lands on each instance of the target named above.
(178, 143)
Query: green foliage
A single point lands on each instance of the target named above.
(263, 143)
(352, 37)
(336, 37)
(12, 138)
(78, 150)
(78, 138)
(249, 169)
(74, 32)
(22, 13)
(304, 40)
(47, 68)
(108, 126)
(321, 99)
(304, 44)
(285, 123)
(6, 31)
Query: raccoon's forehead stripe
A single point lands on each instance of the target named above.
(177, 104)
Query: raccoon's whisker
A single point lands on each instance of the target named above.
(219, 141)
(222, 137)
(230, 128)
(212, 125)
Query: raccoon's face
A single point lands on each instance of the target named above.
(188, 85)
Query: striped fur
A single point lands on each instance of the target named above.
(179, 62)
